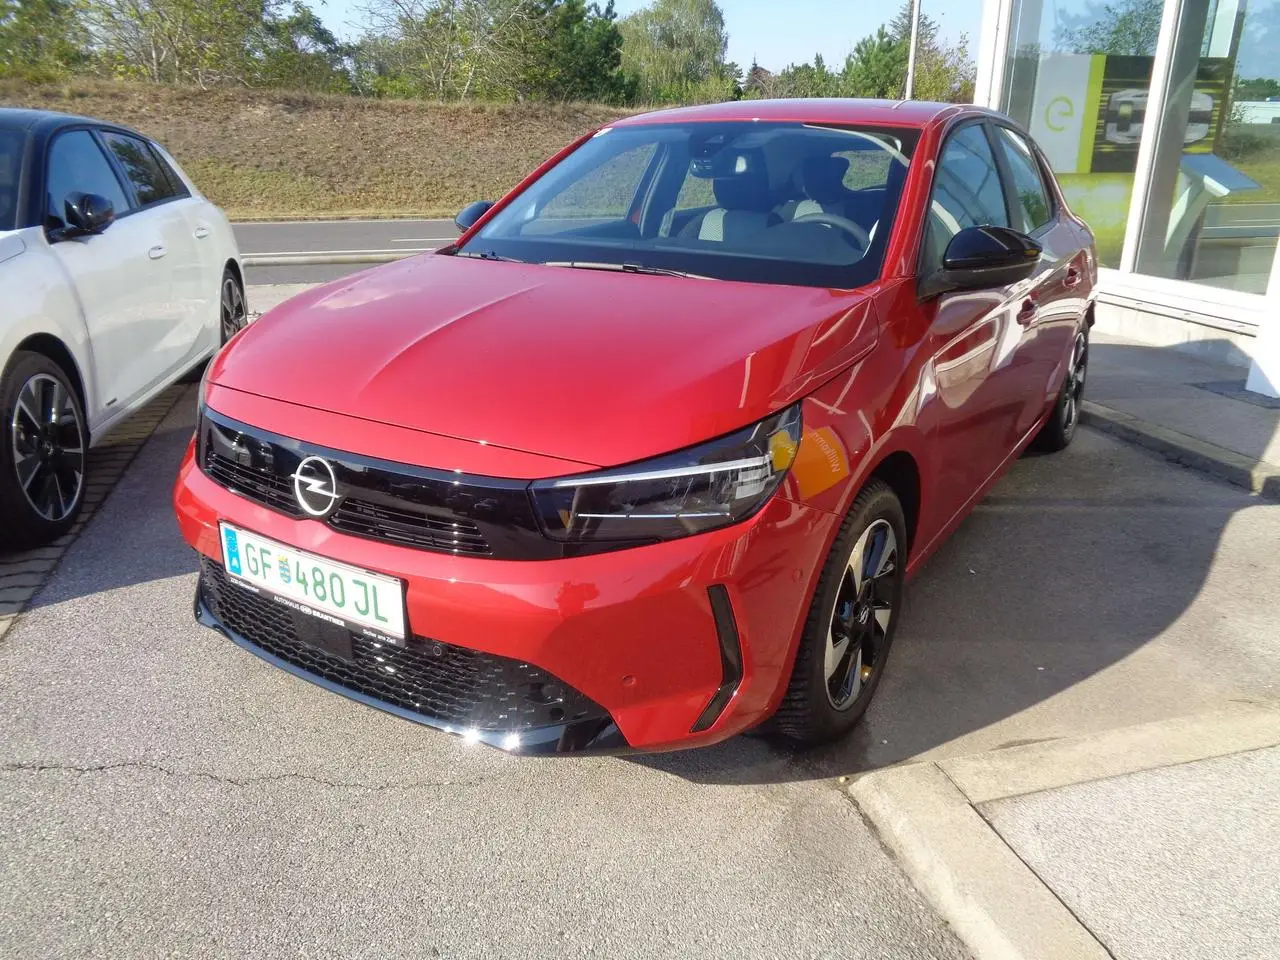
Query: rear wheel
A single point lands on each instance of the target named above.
(43, 444)
(1060, 428)
(233, 311)
(851, 622)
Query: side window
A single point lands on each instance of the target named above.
(77, 163)
(151, 183)
(1028, 184)
(966, 193)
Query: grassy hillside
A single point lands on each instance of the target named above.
(269, 154)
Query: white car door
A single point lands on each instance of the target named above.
(120, 276)
(163, 197)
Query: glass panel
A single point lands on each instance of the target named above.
(1213, 207)
(1028, 185)
(966, 193)
(1077, 77)
(76, 163)
(607, 192)
(150, 183)
(11, 143)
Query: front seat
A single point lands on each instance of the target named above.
(743, 208)
(822, 181)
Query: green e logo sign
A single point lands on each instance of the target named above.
(1058, 110)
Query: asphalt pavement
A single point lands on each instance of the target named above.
(162, 792)
(334, 236)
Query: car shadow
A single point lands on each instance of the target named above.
(1030, 622)
(137, 511)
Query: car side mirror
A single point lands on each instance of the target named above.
(468, 215)
(983, 257)
(88, 213)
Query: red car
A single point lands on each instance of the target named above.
(645, 458)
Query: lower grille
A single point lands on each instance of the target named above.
(445, 685)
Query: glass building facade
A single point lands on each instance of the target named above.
(1162, 121)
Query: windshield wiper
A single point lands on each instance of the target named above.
(487, 255)
(626, 268)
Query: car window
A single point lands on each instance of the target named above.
(606, 193)
(966, 192)
(151, 184)
(758, 201)
(1028, 184)
(76, 162)
(11, 142)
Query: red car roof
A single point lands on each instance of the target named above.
(903, 113)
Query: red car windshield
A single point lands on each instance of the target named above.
(785, 203)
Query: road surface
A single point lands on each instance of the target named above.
(165, 793)
(335, 236)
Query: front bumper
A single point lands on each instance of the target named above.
(637, 634)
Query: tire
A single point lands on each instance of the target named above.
(821, 704)
(43, 447)
(1060, 428)
(233, 312)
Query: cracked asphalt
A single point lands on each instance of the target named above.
(166, 794)
(163, 793)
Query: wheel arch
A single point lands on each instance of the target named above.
(901, 472)
(48, 345)
(233, 265)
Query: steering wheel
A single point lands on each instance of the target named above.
(840, 223)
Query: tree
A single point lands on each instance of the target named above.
(40, 38)
(877, 67)
(675, 49)
(1125, 28)
(301, 53)
(581, 56)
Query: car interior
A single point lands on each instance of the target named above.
(783, 192)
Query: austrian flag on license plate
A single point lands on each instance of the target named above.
(364, 601)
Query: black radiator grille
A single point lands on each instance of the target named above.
(448, 685)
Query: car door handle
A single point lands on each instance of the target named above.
(1028, 311)
(201, 232)
(156, 252)
(1073, 278)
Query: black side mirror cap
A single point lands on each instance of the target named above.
(979, 258)
(468, 215)
(88, 213)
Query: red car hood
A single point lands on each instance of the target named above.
(598, 367)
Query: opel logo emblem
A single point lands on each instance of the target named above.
(315, 486)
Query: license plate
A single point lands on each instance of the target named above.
(363, 601)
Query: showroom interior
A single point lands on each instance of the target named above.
(1161, 119)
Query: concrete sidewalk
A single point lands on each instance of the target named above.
(1143, 843)
(1191, 410)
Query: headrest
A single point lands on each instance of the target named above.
(822, 178)
(747, 186)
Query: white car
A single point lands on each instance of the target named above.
(118, 277)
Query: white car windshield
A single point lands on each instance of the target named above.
(757, 201)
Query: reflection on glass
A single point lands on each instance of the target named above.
(1213, 207)
(1078, 76)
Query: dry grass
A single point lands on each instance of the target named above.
(269, 153)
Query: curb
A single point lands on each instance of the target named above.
(929, 814)
(1257, 476)
(23, 574)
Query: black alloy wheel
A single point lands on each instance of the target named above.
(1060, 428)
(43, 451)
(851, 622)
(232, 309)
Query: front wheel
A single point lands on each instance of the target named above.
(851, 622)
(43, 443)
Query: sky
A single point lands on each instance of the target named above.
(774, 32)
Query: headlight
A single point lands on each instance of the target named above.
(697, 489)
